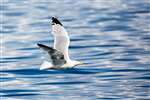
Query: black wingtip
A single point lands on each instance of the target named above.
(56, 21)
(40, 45)
(54, 18)
(44, 47)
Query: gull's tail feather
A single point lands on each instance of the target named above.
(46, 65)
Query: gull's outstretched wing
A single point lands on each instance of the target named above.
(57, 58)
(61, 38)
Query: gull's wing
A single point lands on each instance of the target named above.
(57, 28)
(56, 56)
(61, 38)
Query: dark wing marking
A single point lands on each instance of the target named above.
(45, 48)
(56, 56)
(56, 21)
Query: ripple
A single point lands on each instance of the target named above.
(39, 72)
(14, 14)
(92, 46)
(63, 83)
(131, 70)
(20, 94)
(16, 91)
(126, 59)
(21, 57)
(110, 37)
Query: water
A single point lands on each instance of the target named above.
(111, 37)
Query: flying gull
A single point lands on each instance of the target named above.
(59, 54)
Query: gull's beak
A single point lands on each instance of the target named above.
(81, 63)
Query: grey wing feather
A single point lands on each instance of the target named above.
(56, 56)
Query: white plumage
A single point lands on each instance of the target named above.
(61, 44)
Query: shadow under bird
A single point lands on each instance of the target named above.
(59, 54)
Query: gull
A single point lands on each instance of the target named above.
(59, 53)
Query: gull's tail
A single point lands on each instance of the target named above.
(46, 65)
(56, 57)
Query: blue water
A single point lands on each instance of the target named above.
(111, 36)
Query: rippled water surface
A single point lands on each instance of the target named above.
(111, 36)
